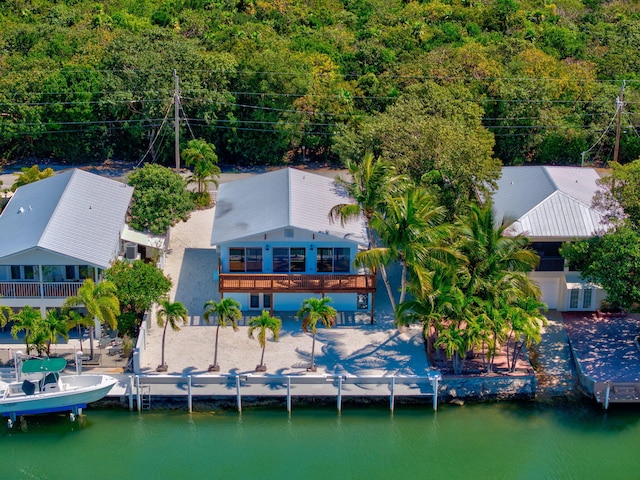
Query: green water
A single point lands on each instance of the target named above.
(493, 441)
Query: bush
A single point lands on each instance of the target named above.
(201, 199)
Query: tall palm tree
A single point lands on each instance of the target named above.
(55, 325)
(26, 320)
(372, 183)
(170, 313)
(227, 310)
(263, 324)
(202, 156)
(312, 311)
(496, 273)
(100, 302)
(413, 232)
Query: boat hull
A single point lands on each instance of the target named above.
(79, 391)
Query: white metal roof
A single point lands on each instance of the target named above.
(280, 199)
(548, 202)
(143, 238)
(74, 213)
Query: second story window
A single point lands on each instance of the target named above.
(287, 260)
(332, 260)
(245, 259)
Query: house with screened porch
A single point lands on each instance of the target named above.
(277, 245)
(56, 233)
(552, 205)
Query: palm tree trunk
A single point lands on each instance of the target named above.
(385, 279)
(403, 282)
(262, 356)
(215, 351)
(164, 334)
(313, 351)
(90, 342)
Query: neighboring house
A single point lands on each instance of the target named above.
(277, 246)
(57, 232)
(552, 205)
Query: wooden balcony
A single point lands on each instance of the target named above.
(347, 283)
(38, 290)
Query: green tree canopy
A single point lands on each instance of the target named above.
(202, 156)
(435, 135)
(138, 285)
(160, 199)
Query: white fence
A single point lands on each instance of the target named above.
(288, 386)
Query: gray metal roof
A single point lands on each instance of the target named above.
(541, 201)
(74, 213)
(280, 199)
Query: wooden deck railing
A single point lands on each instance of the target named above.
(347, 283)
(37, 290)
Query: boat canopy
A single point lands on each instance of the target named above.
(43, 365)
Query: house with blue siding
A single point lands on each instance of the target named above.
(56, 233)
(277, 245)
(552, 205)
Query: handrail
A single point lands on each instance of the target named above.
(232, 282)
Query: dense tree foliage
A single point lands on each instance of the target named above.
(268, 82)
(139, 285)
(160, 199)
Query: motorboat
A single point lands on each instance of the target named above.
(41, 388)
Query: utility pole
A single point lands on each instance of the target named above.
(619, 105)
(176, 122)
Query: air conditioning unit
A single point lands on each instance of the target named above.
(130, 251)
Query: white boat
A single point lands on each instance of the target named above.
(42, 389)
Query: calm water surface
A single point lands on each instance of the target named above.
(527, 441)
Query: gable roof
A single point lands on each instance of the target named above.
(541, 201)
(281, 199)
(74, 213)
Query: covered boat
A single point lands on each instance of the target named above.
(42, 389)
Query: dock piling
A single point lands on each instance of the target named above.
(189, 396)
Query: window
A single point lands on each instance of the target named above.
(333, 260)
(70, 272)
(254, 301)
(324, 259)
(550, 258)
(86, 271)
(245, 259)
(236, 260)
(573, 300)
(586, 299)
(24, 272)
(287, 260)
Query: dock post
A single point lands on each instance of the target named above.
(392, 396)
(139, 403)
(131, 393)
(189, 397)
(434, 382)
(79, 355)
(239, 397)
(606, 396)
(289, 394)
(340, 394)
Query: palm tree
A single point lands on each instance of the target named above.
(496, 274)
(312, 311)
(169, 314)
(372, 183)
(227, 310)
(30, 175)
(27, 320)
(101, 303)
(264, 323)
(202, 156)
(55, 325)
(413, 232)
